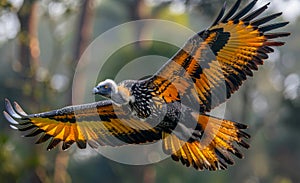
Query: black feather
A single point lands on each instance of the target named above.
(26, 128)
(244, 11)
(34, 133)
(257, 60)
(43, 138)
(220, 15)
(231, 11)
(248, 71)
(255, 13)
(225, 156)
(274, 43)
(81, 144)
(67, 145)
(266, 49)
(272, 26)
(262, 55)
(53, 143)
(252, 65)
(276, 35)
(244, 144)
(265, 19)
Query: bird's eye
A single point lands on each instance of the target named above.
(105, 86)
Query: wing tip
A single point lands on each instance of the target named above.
(19, 110)
(14, 110)
(219, 17)
(14, 114)
(10, 119)
(231, 12)
(10, 110)
(13, 127)
(53, 143)
(270, 27)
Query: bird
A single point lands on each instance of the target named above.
(173, 105)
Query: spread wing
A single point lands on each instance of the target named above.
(221, 140)
(214, 63)
(99, 123)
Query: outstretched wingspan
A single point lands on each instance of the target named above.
(210, 67)
(102, 123)
(214, 63)
(99, 123)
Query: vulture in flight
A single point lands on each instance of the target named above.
(173, 104)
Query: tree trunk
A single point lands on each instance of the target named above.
(82, 39)
(28, 39)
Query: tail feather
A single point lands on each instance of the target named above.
(215, 148)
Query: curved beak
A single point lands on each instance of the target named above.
(96, 91)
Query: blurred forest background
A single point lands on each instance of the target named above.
(41, 42)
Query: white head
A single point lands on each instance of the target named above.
(118, 93)
(106, 88)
